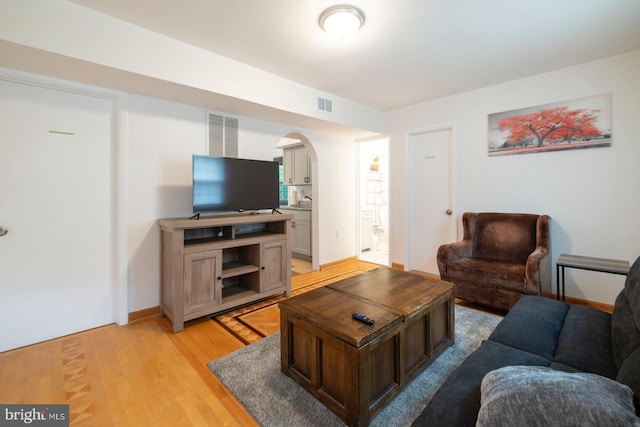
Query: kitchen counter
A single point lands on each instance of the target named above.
(295, 208)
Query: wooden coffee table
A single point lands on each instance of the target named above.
(356, 369)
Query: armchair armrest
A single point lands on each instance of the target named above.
(463, 249)
(451, 252)
(537, 271)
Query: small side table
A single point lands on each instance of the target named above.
(604, 265)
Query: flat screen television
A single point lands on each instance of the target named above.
(228, 184)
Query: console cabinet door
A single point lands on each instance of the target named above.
(202, 280)
(273, 273)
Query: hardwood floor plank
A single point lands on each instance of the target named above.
(139, 374)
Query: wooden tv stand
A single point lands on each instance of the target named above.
(216, 263)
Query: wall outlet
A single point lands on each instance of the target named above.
(338, 234)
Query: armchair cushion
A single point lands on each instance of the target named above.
(505, 237)
(501, 274)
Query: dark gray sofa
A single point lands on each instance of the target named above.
(562, 338)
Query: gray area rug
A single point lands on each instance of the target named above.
(253, 375)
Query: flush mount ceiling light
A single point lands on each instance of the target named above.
(341, 22)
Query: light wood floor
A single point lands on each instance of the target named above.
(135, 375)
(300, 266)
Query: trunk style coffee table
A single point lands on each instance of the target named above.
(356, 369)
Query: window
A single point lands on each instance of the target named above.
(284, 190)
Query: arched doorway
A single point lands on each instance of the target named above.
(301, 197)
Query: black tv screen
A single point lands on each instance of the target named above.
(229, 184)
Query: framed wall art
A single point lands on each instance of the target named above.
(578, 123)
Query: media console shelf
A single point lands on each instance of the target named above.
(217, 263)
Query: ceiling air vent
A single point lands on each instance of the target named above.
(325, 105)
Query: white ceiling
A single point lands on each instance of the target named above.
(408, 50)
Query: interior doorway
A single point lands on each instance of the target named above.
(57, 207)
(373, 201)
(299, 190)
(431, 219)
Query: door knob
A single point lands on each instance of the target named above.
(3, 230)
(448, 211)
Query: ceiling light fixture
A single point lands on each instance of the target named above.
(341, 22)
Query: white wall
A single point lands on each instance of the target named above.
(335, 197)
(590, 194)
(163, 135)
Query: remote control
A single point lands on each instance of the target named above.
(363, 318)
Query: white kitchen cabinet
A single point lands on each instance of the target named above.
(300, 231)
(302, 237)
(297, 166)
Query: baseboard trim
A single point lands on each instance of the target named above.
(147, 313)
(397, 266)
(595, 304)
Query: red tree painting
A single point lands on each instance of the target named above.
(577, 123)
(550, 125)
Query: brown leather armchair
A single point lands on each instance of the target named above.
(501, 256)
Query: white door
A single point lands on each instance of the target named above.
(431, 218)
(56, 205)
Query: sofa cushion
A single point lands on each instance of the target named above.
(625, 338)
(629, 374)
(533, 324)
(585, 341)
(632, 289)
(625, 321)
(457, 402)
(507, 237)
(531, 395)
(564, 368)
(500, 274)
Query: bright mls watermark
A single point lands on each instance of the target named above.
(37, 415)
